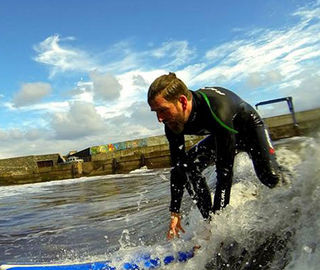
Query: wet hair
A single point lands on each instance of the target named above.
(170, 87)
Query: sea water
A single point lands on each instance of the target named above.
(119, 216)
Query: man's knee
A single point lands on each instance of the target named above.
(270, 178)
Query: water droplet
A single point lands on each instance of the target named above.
(307, 249)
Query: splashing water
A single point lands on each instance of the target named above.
(266, 228)
(120, 216)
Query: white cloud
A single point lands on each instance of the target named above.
(84, 122)
(134, 89)
(127, 63)
(12, 134)
(176, 53)
(140, 123)
(139, 81)
(45, 107)
(20, 142)
(260, 79)
(105, 86)
(307, 94)
(143, 116)
(218, 53)
(263, 54)
(190, 72)
(31, 93)
(81, 120)
(309, 12)
(83, 92)
(286, 59)
(36, 142)
(260, 51)
(62, 58)
(117, 59)
(34, 134)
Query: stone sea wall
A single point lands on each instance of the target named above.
(124, 157)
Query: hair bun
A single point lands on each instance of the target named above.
(172, 74)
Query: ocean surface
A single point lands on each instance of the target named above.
(116, 216)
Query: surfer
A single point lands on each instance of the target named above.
(231, 125)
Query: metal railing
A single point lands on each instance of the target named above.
(290, 105)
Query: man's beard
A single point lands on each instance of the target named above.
(176, 126)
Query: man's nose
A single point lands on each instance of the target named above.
(160, 117)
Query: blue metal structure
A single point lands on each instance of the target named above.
(290, 105)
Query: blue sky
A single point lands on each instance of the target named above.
(75, 73)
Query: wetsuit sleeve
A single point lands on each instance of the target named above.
(178, 177)
(176, 146)
(224, 168)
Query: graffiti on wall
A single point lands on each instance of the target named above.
(105, 148)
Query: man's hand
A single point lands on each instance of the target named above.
(175, 226)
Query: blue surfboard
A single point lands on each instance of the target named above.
(145, 261)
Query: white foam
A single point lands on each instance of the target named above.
(256, 213)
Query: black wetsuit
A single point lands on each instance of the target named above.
(233, 126)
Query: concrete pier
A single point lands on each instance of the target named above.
(124, 157)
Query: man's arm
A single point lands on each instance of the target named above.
(176, 146)
(224, 169)
(177, 181)
(177, 177)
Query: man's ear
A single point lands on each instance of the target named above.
(184, 101)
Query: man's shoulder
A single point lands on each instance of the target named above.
(218, 94)
(214, 90)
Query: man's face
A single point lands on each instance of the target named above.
(168, 112)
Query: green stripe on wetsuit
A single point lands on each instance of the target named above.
(216, 117)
